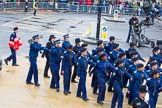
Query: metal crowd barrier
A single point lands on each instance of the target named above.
(71, 7)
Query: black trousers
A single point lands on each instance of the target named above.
(46, 67)
(74, 73)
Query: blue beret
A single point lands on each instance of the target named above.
(119, 61)
(140, 65)
(77, 40)
(84, 45)
(70, 47)
(135, 59)
(99, 42)
(102, 55)
(100, 49)
(155, 71)
(115, 45)
(112, 38)
(122, 54)
(153, 63)
(152, 59)
(66, 36)
(134, 53)
(57, 41)
(142, 89)
(15, 28)
(156, 48)
(83, 49)
(35, 37)
(132, 44)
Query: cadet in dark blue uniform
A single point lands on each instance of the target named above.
(138, 78)
(132, 68)
(114, 54)
(103, 67)
(117, 80)
(94, 82)
(35, 47)
(151, 59)
(68, 61)
(13, 51)
(66, 42)
(154, 88)
(55, 59)
(132, 49)
(99, 45)
(156, 54)
(49, 45)
(82, 73)
(125, 66)
(109, 46)
(76, 50)
(140, 102)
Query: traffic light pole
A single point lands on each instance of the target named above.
(98, 20)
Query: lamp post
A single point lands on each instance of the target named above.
(98, 20)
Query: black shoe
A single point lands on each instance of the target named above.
(79, 96)
(86, 99)
(52, 87)
(73, 81)
(66, 93)
(29, 83)
(69, 92)
(100, 102)
(37, 84)
(6, 61)
(15, 65)
(95, 93)
(47, 76)
(57, 90)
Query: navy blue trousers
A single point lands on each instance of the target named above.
(33, 70)
(82, 86)
(67, 77)
(12, 56)
(55, 67)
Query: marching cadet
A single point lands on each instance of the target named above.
(132, 49)
(54, 62)
(133, 67)
(82, 73)
(94, 82)
(49, 45)
(66, 42)
(13, 51)
(99, 45)
(76, 50)
(35, 47)
(140, 102)
(117, 80)
(154, 88)
(103, 68)
(109, 46)
(153, 66)
(114, 53)
(68, 61)
(126, 65)
(156, 54)
(137, 79)
(151, 59)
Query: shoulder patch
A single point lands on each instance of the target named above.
(135, 72)
(148, 79)
(138, 103)
(116, 68)
(79, 58)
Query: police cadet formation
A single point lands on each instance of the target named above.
(107, 64)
